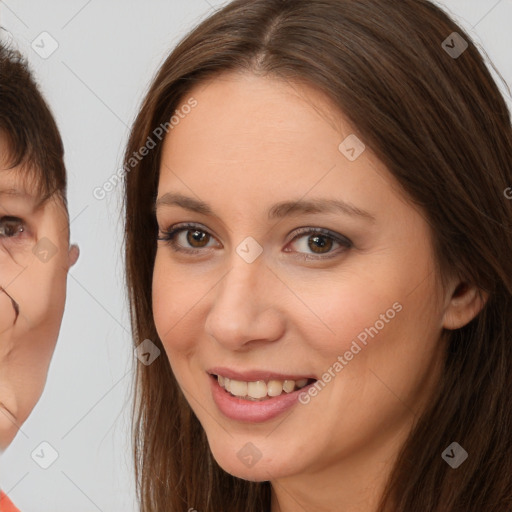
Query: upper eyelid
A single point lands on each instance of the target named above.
(187, 226)
(177, 228)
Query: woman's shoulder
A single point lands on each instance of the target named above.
(6, 504)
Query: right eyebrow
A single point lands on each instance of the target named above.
(188, 203)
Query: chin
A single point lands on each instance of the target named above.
(258, 473)
(248, 463)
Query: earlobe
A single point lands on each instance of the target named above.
(73, 254)
(465, 304)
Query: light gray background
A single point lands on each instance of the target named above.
(108, 51)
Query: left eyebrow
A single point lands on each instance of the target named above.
(277, 211)
(299, 207)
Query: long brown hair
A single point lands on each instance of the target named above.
(437, 120)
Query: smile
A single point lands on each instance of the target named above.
(260, 390)
(256, 396)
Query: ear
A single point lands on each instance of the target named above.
(73, 254)
(464, 304)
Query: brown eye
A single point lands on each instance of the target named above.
(11, 227)
(320, 244)
(188, 238)
(197, 238)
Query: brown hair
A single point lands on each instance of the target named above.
(442, 128)
(26, 122)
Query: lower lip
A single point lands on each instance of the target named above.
(249, 411)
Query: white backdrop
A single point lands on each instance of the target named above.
(94, 60)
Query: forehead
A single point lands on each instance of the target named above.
(17, 188)
(20, 182)
(20, 194)
(258, 140)
(265, 124)
(256, 110)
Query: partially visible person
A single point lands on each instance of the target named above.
(6, 504)
(35, 254)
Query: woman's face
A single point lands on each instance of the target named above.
(297, 257)
(34, 261)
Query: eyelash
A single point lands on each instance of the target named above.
(169, 238)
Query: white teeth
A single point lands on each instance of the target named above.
(256, 389)
(288, 386)
(240, 388)
(260, 389)
(274, 388)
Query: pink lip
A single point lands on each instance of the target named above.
(252, 412)
(255, 375)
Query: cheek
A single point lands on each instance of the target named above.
(41, 311)
(177, 297)
(7, 319)
(14, 259)
(23, 372)
(27, 342)
(385, 356)
(338, 308)
(40, 291)
(384, 296)
(372, 331)
(7, 430)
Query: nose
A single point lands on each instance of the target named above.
(246, 307)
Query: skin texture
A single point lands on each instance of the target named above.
(33, 294)
(275, 141)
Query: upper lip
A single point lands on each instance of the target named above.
(255, 375)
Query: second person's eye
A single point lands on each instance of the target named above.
(11, 227)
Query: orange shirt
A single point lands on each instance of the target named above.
(6, 504)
